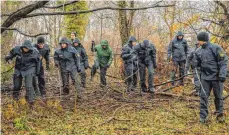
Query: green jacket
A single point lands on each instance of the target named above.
(103, 56)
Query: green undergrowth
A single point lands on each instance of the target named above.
(173, 117)
(106, 112)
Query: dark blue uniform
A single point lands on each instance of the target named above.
(44, 54)
(129, 57)
(67, 59)
(212, 61)
(178, 50)
(146, 59)
(27, 66)
(83, 61)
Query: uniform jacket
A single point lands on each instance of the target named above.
(212, 61)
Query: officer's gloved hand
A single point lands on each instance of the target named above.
(7, 59)
(56, 65)
(222, 79)
(47, 68)
(86, 66)
(154, 66)
(78, 70)
(107, 66)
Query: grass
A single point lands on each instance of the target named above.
(106, 112)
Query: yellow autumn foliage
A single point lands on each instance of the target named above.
(9, 112)
(188, 22)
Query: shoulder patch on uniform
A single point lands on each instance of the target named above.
(221, 53)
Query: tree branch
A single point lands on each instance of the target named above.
(50, 7)
(21, 13)
(218, 23)
(25, 12)
(19, 31)
(223, 6)
(209, 12)
(59, 6)
(92, 10)
(213, 33)
(189, 25)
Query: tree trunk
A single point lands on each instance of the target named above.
(168, 22)
(123, 25)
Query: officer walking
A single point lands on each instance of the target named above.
(129, 56)
(83, 60)
(213, 62)
(146, 59)
(68, 60)
(44, 54)
(72, 38)
(190, 64)
(178, 50)
(104, 57)
(27, 66)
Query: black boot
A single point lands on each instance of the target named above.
(181, 83)
(152, 90)
(220, 118)
(172, 77)
(196, 93)
(143, 88)
(73, 82)
(66, 91)
(83, 85)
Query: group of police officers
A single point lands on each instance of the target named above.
(208, 62)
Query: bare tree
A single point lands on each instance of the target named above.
(26, 12)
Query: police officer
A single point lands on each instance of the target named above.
(27, 66)
(44, 54)
(104, 57)
(146, 59)
(213, 62)
(67, 59)
(83, 60)
(73, 37)
(129, 56)
(178, 50)
(190, 64)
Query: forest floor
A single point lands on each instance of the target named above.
(111, 111)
